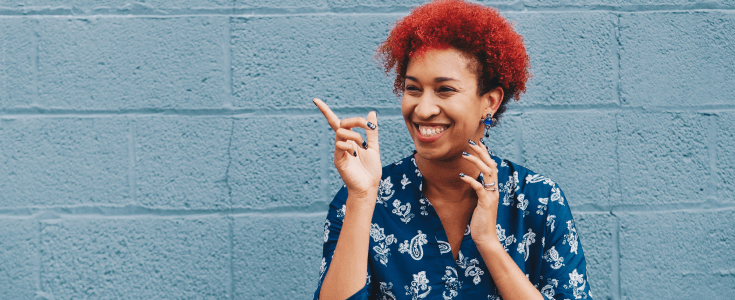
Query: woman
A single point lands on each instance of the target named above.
(451, 221)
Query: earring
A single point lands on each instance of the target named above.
(489, 121)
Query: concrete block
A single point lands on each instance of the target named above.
(504, 140)
(286, 61)
(277, 256)
(67, 161)
(136, 258)
(18, 258)
(596, 233)
(630, 5)
(17, 84)
(181, 162)
(663, 158)
(571, 57)
(725, 162)
(295, 5)
(278, 161)
(114, 6)
(677, 58)
(132, 63)
(677, 255)
(576, 150)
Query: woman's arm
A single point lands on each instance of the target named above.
(508, 277)
(348, 270)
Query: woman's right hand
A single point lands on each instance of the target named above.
(358, 166)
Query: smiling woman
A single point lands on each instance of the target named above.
(451, 221)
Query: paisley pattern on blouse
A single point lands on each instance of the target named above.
(410, 258)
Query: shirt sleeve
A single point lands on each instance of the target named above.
(332, 228)
(563, 267)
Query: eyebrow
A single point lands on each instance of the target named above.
(437, 80)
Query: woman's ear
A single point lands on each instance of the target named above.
(491, 100)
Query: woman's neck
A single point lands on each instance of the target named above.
(442, 181)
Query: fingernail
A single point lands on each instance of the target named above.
(371, 126)
(482, 141)
(354, 154)
(481, 178)
(473, 143)
(465, 153)
(461, 174)
(364, 145)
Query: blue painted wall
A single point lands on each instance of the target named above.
(170, 149)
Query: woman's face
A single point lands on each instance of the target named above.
(441, 105)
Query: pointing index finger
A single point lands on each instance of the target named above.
(332, 119)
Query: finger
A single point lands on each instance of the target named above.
(348, 135)
(347, 147)
(354, 122)
(372, 135)
(479, 189)
(480, 151)
(332, 119)
(480, 164)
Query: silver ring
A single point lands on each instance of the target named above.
(489, 186)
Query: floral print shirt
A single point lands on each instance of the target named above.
(410, 257)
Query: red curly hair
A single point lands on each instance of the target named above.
(476, 30)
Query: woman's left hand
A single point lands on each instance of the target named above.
(484, 218)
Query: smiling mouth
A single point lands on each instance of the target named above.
(430, 131)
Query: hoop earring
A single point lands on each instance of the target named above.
(489, 121)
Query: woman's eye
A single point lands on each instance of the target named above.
(412, 88)
(446, 89)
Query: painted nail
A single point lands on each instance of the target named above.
(371, 126)
(481, 178)
(461, 174)
(465, 153)
(473, 143)
(354, 154)
(482, 141)
(364, 145)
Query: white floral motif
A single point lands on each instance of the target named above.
(444, 247)
(341, 212)
(404, 182)
(550, 222)
(470, 267)
(510, 188)
(552, 256)
(542, 207)
(548, 289)
(385, 292)
(326, 230)
(419, 288)
(415, 247)
(467, 231)
(423, 207)
(571, 237)
(451, 283)
(556, 195)
(385, 191)
(403, 211)
(504, 164)
(523, 204)
(323, 267)
(524, 246)
(382, 251)
(577, 284)
(504, 240)
(417, 167)
(538, 178)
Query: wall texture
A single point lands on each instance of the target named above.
(169, 149)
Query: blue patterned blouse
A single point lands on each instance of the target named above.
(410, 257)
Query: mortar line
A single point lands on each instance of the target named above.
(712, 141)
(40, 12)
(615, 264)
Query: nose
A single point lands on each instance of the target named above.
(426, 107)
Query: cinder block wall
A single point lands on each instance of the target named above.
(170, 149)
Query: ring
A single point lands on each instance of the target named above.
(489, 187)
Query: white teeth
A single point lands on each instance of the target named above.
(429, 131)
